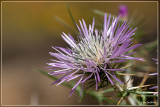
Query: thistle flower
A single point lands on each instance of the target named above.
(96, 52)
(123, 12)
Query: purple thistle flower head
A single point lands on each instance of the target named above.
(123, 12)
(93, 57)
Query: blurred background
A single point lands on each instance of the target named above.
(29, 29)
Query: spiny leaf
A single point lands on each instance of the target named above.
(143, 81)
(144, 92)
(137, 87)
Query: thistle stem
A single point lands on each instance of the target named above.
(122, 98)
(128, 101)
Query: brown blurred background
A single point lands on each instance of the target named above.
(28, 32)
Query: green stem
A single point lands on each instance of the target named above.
(123, 96)
(128, 101)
